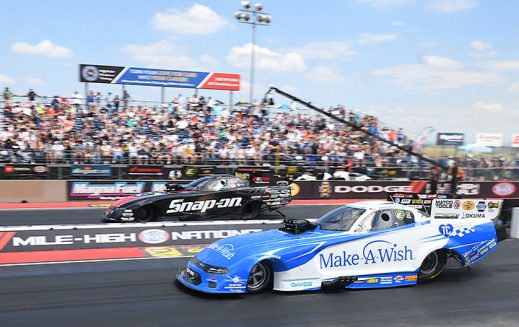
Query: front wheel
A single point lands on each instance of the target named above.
(251, 210)
(260, 278)
(144, 214)
(432, 266)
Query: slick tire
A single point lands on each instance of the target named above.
(251, 210)
(432, 266)
(260, 278)
(144, 214)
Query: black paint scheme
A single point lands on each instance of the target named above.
(208, 197)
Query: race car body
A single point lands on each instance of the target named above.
(369, 244)
(218, 195)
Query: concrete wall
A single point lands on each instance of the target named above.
(32, 191)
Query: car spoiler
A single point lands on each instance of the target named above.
(420, 201)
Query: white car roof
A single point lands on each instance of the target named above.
(375, 205)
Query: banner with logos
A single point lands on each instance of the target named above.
(100, 237)
(489, 139)
(77, 170)
(158, 77)
(515, 140)
(103, 190)
(450, 139)
(379, 189)
(194, 172)
(136, 171)
(22, 171)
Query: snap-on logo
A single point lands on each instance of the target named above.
(179, 205)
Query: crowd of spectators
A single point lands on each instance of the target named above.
(192, 130)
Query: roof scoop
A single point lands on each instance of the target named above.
(297, 226)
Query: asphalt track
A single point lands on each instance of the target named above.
(142, 293)
(27, 217)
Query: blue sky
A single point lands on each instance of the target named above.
(450, 64)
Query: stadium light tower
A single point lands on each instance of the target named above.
(254, 16)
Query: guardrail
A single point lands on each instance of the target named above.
(286, 169)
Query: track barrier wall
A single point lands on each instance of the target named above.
(109, 190)
(33, 191)
(44, 244)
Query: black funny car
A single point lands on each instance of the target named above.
(207, 197)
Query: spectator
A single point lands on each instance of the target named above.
(31, 95)
(7, 94)
(116, 101)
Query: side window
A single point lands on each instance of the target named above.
(386, 219)
(383, 219)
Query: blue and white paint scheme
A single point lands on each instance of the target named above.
(382, 244)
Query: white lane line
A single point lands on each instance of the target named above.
(146, 225)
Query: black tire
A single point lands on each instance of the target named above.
(432, 266)
(144, 214)
(260, 278)
(251, 210)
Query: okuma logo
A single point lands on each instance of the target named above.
(374, 252)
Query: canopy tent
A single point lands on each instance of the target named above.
(475, 148)
(283, 106)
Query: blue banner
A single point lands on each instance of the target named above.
(160, 77)
(89, 73)
(91, 170)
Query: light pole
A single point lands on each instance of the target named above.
(252, 15)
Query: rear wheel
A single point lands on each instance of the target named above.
(432, 266)
(251, 210)
(144, 214)
(260, 278)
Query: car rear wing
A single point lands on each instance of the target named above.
(420, 201)
(465, 209)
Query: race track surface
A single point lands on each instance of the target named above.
(27, 217)
(142, 293)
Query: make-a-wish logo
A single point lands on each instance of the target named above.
(226, 250)
(374, 252)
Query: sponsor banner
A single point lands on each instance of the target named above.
(515, 140)
(90, 170)
(145, 171)
(489, 139)
(380, 189)
(101, 190)
(301, 190)
(100, 238)
(194, 172)
(158, 77)
(465, 209)
(222, 81)
(24, 170)
(450, 139)
(98, 73)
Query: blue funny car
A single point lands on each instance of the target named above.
(369, 244)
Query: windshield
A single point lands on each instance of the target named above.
(198, 184)
(340, 219)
